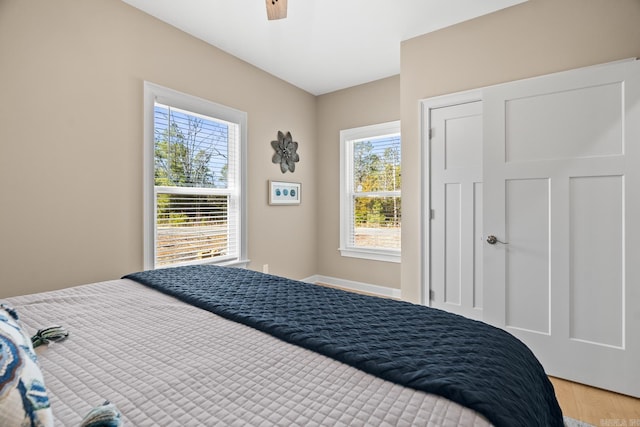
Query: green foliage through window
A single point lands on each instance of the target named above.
(377, 179)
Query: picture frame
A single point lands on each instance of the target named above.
(284, 193)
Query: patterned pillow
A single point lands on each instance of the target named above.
(23, 397)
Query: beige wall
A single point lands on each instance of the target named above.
(534, 38)
(71, 85)
(71, 74)
(371, 103)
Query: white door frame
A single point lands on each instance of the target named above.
(625, 382)
(426, 106)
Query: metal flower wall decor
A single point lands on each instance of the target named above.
(285, 154)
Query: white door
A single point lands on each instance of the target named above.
(561, 166)
(456, 208)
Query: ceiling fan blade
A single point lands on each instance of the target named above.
(276, 9)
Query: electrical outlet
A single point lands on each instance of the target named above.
(265, 268)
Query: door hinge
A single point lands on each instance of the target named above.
(432, 295)
(430, 133)
(432, 214)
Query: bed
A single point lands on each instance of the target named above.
(207, 345)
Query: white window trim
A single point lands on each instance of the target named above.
(155, 93)
(346, 174)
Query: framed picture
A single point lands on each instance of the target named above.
(284, 193)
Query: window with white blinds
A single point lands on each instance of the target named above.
(194, 181)
(371, 199)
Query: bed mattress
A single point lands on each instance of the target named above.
(163, 362)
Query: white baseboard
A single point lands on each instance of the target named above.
(382, 291)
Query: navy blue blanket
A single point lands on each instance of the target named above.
(469, 362)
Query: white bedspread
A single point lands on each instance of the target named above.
(166, 363)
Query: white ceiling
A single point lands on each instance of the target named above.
(321, 46)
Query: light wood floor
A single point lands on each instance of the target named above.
(595, 406)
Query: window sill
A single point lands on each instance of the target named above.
(371, 254)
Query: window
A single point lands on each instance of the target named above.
(194, 181)
(370, 208)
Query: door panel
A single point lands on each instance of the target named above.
(561, 156)
(478, 244)
(562, 131)
(456, 203)
(452, 247)
(527, 254)
(597, 261)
